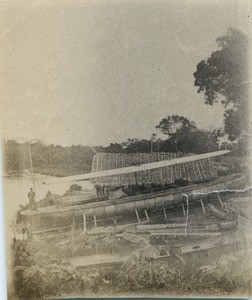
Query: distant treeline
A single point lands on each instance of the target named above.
(47, 159)
(183, 136)
(62, 161)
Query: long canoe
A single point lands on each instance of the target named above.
(54, 216)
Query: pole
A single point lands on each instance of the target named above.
(84, 224)
(95, 221)
(138, 219)
(146, 214)
(30, 155)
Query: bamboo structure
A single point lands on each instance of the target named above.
(197, 170)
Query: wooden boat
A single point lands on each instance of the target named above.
(57, 216)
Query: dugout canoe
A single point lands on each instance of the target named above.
(57, 216)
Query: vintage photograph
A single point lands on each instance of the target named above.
(126, 136)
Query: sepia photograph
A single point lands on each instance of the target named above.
(126, 138)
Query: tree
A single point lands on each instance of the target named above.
(173, 124)
(185, 137)
(223, 77)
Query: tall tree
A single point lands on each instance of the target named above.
(224, 77)
(173, 124)
(184, 136)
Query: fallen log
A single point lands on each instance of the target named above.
(226, 226)
(158, 226)
(217, 213)
(191, 234)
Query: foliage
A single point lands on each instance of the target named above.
(174, 124)
(185, 137)
(143, 274)
(63, 161)
(35, 278)
(48, 159)
(223, 77)
(232, 272)
(141, 270)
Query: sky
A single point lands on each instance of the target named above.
(97, 72)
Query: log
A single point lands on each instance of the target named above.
(226, 226)
(191, 234)
(159, 226)
(215, 212)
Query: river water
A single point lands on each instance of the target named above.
(15, 192)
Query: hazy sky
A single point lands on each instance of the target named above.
(96, 72)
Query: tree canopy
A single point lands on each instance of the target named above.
(224, 77)
(185, 137)
(174, 124)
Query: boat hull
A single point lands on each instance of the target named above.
(54, 216)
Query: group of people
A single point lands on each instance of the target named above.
(101, 191)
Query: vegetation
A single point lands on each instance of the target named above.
(47, 159)
(224, 77)
(35, 276)
(183, 136)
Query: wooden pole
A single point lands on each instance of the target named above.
(95, 221)
(138, 219)
(219, 198)
(183, 208)
(146, 214)
(195, 174)
(33, 181)
(72, 236)
(202, 204)
(136, 177)
(165, 215)
(210, 167)
(84, 224)
(203, 171)
(15, 224)
(171, 173)
(198, 168)
(187, 172)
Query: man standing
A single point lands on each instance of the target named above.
(31, 196)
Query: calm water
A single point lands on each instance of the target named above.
(16, 193)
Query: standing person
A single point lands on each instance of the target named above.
(31, 196)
